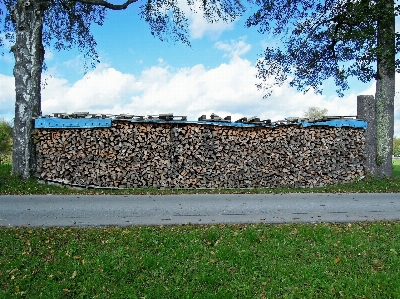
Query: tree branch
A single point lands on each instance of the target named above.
(108, 4)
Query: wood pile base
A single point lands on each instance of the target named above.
(162, 155)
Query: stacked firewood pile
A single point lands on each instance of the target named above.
(165, 155)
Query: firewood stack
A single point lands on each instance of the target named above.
(193, 155)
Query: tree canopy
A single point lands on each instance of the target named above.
(321, 40)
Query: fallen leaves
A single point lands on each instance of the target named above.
(13, 271)
(74, 274)
(79, 259)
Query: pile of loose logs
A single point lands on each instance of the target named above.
(192, 155)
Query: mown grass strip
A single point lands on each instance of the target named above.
(359, 260)
(13, 185)
(396, 167)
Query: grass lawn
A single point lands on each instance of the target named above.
(360, 260)
(396, 167)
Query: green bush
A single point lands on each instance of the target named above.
(6, 134)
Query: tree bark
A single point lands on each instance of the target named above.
(385, 89)
(28, 16)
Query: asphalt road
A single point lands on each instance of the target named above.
(121, 210)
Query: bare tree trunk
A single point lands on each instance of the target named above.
(28, 51)
(385, 89)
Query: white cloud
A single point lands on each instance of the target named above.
(226, 90)
(99, 89)
(235, 48)
(7, 94)
(198, 25)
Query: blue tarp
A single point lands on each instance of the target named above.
(72, 123)
(354, 123)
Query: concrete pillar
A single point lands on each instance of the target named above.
(366, 110)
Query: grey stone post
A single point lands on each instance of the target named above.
(366, 110)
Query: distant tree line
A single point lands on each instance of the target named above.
(6, 134)
(396, 146)
(315, 112)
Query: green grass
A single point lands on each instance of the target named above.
(13, 185)
(360, 260)
(396, 167)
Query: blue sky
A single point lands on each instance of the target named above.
(138, 74)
